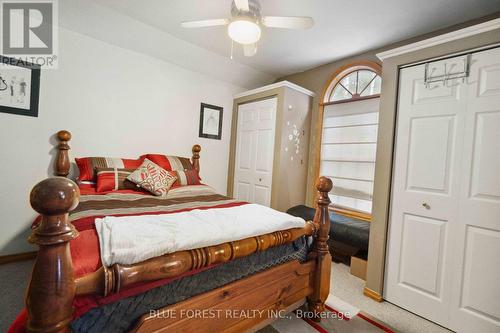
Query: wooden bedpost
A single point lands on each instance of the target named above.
(320, 252)
(52, 286)
(62, 159)
(196, 157)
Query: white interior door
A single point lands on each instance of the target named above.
(255, 151)
(444, 232)
(424, 195)
(476, 271)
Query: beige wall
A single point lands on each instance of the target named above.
(316, 79)
(292, 170)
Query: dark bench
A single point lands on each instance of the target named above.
(348, 231)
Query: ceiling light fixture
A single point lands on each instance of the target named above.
(246, 22)
(244, 31)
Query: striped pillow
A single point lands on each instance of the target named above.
(170, 163)
(112, 179)
(186, 177)
(87, 165)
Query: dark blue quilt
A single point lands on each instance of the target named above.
(122, 315)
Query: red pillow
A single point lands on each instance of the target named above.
(87, 165)
(186, 177)
(170, 163)
(113, 179)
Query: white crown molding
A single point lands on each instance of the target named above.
(273, 86)
(441, 39)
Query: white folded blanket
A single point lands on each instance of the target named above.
(132, 239)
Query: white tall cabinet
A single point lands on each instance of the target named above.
(444, 230)
(270, 145)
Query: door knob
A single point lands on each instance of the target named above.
(426, 205)
(260, 179)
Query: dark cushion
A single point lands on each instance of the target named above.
(343, 229)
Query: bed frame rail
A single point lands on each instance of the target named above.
(106, 281)
(53, 287)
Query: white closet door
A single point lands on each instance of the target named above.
(255, 151)
(476, 273)
(444, 233)
(425, 191)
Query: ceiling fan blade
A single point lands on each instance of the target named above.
(204, 23)
(288, 22)
(249, 50)
(242, 5)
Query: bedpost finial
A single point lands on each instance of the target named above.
(196, 157)
(324, 184)
(54, 196)
(52, 287)
(64, 135)
(62, 164)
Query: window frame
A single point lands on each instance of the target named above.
(330, 85)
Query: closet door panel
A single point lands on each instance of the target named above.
(415, 230)
(424, 195)
(485, 180)
(431, 147)
(245, 153)
(476, 296)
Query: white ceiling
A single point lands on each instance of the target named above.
(342, 27)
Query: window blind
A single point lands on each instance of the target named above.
(348, 148)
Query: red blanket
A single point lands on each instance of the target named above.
(85, 250)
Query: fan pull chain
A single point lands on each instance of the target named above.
(232, 43)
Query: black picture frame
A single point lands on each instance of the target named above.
(34, 86)
(203, 130)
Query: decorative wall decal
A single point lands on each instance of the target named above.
(294, 134)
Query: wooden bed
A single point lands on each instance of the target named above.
(53, 287)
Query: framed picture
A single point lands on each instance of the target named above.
(210, 121)
(19, 87)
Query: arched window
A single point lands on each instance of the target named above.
(349, 128)
(356, 83)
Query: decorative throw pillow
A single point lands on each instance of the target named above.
(112, 179)
(87, 165)
(170, 163)
(153, 178)
(186, 177)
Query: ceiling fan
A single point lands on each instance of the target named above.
(244, 26)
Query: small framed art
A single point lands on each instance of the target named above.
(210, 121)
(19, 87)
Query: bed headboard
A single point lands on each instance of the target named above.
(62, 162)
